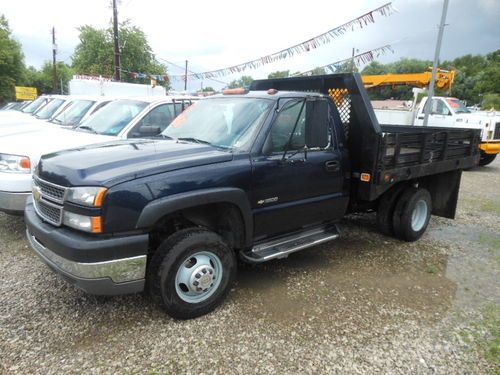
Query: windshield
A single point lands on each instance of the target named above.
(457, 105)
(223, 122)
(113, 117)
(36, 104)
(47, 111)
(73, 114)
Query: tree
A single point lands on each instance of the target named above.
(94, 54)
(43, 79)
(318, 71)
(244, 81)
(375, 68)
(11, 61)
(491, 101)
(279, 74)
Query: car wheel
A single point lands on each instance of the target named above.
(385, 209)
(486, 159)
(191, 273)
(412, 214)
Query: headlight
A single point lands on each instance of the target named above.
(91, 224)
(15, 163)
(91, 196)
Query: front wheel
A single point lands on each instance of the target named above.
(412, 214)
(486, 159)
(191, 273)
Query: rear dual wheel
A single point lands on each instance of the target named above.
(405, 213)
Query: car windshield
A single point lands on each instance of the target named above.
(228, 123)
(48, 110)
(113, 117)
(457, 105)
(74, 113)
(36, 104)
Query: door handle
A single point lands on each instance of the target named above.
(332, 166)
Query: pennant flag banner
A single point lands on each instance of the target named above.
(313, 43)
(362, 58)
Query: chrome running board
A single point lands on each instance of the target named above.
(283, 246)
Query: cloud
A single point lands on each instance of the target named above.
(222, 33)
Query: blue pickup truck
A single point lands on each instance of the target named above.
(252, 175)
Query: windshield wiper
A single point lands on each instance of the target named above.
(195, 140)
(56, 121)
(163, 136)
(85, 127)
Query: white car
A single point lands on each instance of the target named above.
(120, 119)
(77, 110)
(53, 105)
(10, 115)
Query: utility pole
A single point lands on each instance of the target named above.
(117, 44)
(352, 61)
(186, 76)
(430, 94)
(54, 71)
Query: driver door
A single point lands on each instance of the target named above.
(297, 179)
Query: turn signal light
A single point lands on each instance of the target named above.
(99, 197)
(96, 222)
(25, 163)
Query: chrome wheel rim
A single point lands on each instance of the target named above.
(419, 215)
(198, 277)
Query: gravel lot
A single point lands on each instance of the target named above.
(364, 304)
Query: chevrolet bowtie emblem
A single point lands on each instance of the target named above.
(37, 193)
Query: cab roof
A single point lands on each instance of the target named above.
(268, 94)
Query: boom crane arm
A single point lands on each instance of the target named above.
(444, 79)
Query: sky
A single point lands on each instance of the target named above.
(221, 33)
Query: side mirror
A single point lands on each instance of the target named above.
(149, 130)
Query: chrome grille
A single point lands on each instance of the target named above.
(49, 212)
(48, 199)
(49, 190)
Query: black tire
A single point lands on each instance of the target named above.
(171, 255)
(403, 213)
(385, 209)
(486, 159)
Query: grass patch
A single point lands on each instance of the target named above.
(432, 269)
(485, 336)
(491, 241)
(482, 204)
(489, 205)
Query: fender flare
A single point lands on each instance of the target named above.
(159, 208)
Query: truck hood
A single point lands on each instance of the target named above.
(18, 119)
(114, 162)
(478, 118)
(26, 127)
(36, 143)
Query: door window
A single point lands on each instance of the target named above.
(438, 107)
(300, 123)
(160, 117)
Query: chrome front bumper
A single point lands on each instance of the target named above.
(120, 276)
(13, 203)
